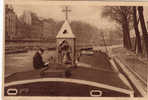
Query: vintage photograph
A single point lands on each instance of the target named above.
(75, 50)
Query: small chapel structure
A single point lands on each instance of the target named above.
(65, 44)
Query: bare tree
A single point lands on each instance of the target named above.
(144, 31)
(135, 24)
(122, 16)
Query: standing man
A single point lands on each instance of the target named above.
(38, 60)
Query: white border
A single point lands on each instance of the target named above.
(94, 3)
(1, 45)
(83, 3)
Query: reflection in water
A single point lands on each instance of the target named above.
(22, 61)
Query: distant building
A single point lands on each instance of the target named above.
(48, 28)
(36, 27)
(27, 17)
(10, 22)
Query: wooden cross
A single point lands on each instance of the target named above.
(66, 10)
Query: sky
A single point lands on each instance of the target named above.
(90, 14)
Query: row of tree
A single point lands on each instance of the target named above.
(29, 26)
(128, 17)
(46, 29)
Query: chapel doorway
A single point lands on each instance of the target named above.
(65, 53)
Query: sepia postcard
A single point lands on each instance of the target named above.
(75, 50)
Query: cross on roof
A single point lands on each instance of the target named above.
(66, 10)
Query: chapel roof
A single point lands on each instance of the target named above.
(65, 31)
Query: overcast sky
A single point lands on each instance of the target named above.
(89, 14)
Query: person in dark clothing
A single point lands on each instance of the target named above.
(38, 61)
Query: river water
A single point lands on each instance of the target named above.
(20, 62)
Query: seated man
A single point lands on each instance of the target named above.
(38, 61)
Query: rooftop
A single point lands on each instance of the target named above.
(65, 31)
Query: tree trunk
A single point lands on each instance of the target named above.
(126, 34)
(124, 37)
(138, 39)
(144, 31)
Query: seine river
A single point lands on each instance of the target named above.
(22, 61)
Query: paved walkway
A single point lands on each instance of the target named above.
(137, 65)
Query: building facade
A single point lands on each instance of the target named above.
(26, 17)
(48, 29)
(10, 22)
